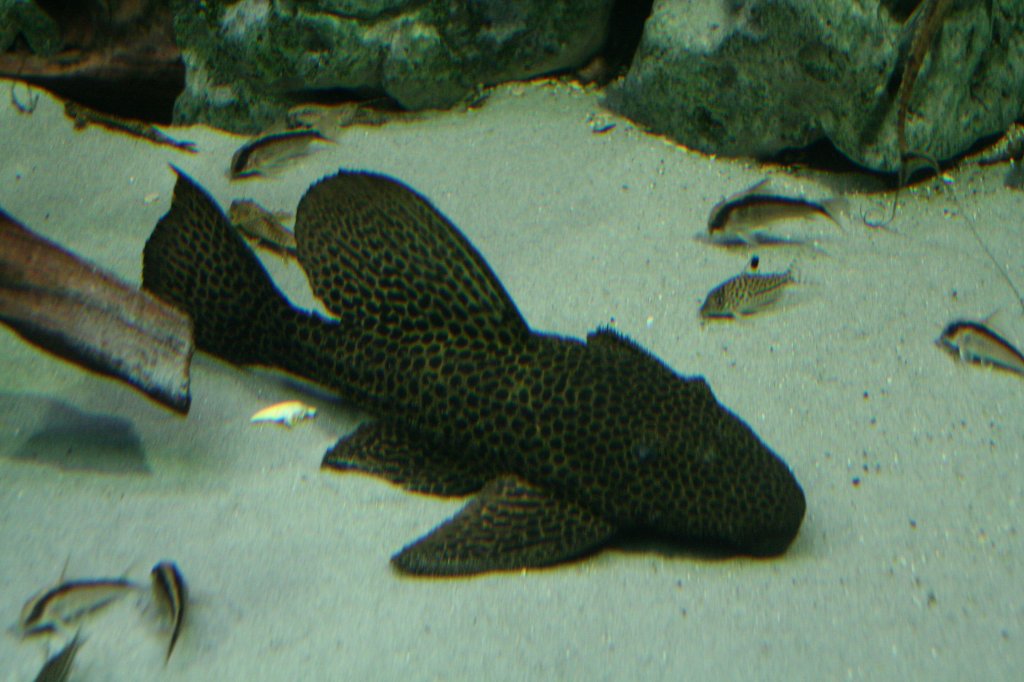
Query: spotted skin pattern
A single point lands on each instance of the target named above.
(566, 442)
(746, 294)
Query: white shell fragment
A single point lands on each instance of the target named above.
(286, 413)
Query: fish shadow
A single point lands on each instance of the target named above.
(310, 389)
(645, 542)
(70, 439)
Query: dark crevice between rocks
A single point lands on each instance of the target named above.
(821, 155)
(625, 29)
(118, 58)
(901, 9)
(147, 97)
(331, 96)
(823, 159)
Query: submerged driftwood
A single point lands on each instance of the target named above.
(86, 315)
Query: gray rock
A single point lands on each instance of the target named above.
(248, 61)
(752, 78)
(26, 18)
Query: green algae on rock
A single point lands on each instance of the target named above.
(247, 62)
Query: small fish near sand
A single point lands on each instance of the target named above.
(262, 226)
(170, 591)
(288, 413)
(747, 293)
(58, 667)
(83, 116)
(737, 219)
(566, 443)
(270, 152)
(974, 342)
(67, 603)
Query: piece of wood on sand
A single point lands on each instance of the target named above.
(83, 314)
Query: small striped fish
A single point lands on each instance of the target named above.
(67, 603)
(170, 591)
(974, 342)
(58, 667)
(270, 152)
(737, 219)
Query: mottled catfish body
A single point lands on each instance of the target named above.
(566, 442)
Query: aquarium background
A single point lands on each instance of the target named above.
(908, 562)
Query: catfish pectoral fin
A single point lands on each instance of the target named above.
(511, 524)
(398, 453)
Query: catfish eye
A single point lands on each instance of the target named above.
(644, 452)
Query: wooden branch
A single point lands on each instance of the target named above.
(83, 314)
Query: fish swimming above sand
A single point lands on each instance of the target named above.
(565, 442)
(261, 226)
(170, 591)
(67, 603)
(747, 293)
(270, 152)
(974, 342)
(737, 219)
(289, 413)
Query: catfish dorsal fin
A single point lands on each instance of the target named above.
(608, 338)
(759, 186)
(379, 254)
